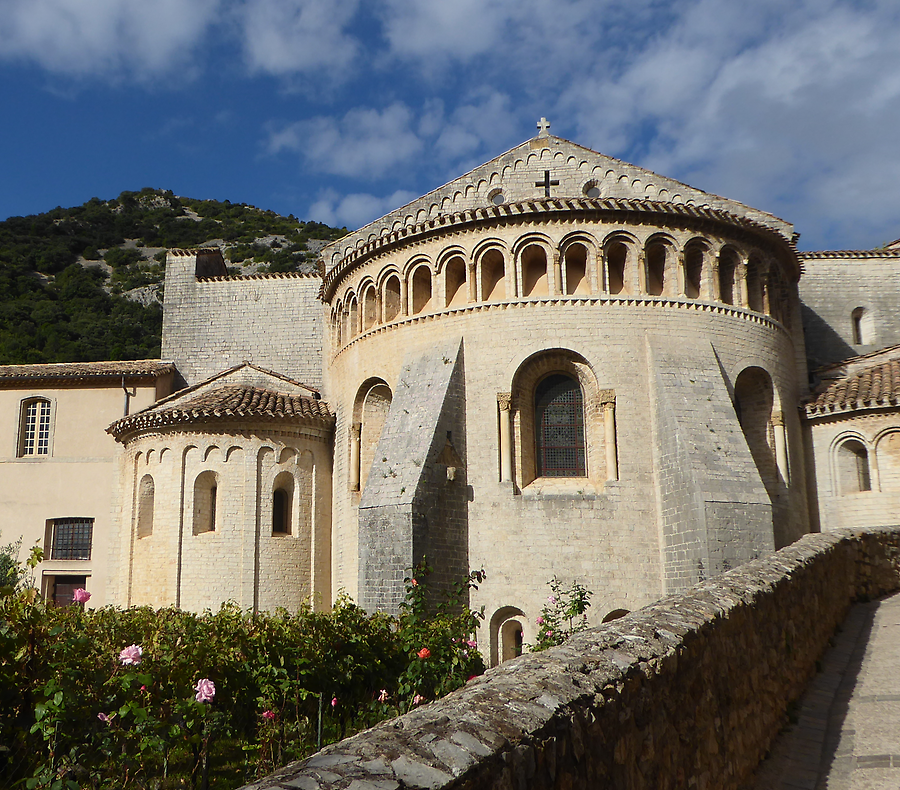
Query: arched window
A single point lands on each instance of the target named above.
(370, 308)
(457, 293)
(616, 260)
(656, 269)
(146, 496)
(755, 285)
(728, 264)
(391, 298)
(493, 277)
(535, 281)
(421, 290)
(576, 270)
(754, 398)
(559, 427)
(853, 467)
(34, 430)
(206, 491)
(282, 497)
(693, 271)
(863, 327)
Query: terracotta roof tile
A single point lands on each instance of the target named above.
(229, 403)
(872, 387)
(86, 371)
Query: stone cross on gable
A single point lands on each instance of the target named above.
(543, 126)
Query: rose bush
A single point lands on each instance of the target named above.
(113, 698)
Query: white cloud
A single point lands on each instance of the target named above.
(365, 143)
(106, 38)
(285, 37)
(357, 209)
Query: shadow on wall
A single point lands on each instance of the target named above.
(823, 344)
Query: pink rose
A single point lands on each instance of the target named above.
(383, 697)
(418, 699)
(472, 643)
(268, 715)
(551, 600)
(334, 702)
(424, 653)
(205, 689)
(81, 596)
(414, 583)
(103, 717)
(131, 655)
(540, 621)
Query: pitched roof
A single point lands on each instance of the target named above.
(871, 381)
(240, 394)
(77, 372)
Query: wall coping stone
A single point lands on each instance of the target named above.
(686, 692)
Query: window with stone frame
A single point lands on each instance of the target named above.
(34, 429)
(71, 538)
(559, 427)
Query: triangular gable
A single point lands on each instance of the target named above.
(521, 174)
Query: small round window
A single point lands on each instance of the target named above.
(497, 197)
(591, 189)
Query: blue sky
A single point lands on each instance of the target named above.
(340, 110)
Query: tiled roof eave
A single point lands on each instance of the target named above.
(817, 411)
(178, 417)
(389, 239)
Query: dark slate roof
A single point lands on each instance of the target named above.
(229, 403)
(77, 372)
(864, 386)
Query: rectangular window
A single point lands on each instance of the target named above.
(35, 428)
(61, 588)
(71, 538)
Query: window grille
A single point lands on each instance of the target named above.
(72, 538)
(559, 415)
(35, 428)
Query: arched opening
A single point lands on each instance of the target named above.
(728, 263)
(370, 308)
(559, 427)
(577, 281)
(146, 495)
(506, 634)
(776, 293)
(853, 467)
(754, 398)
(693, 271)
(352, 318)
(534, 271)
(656, 268)
(615, 614)
(421, 290)
(206, 489)
(754, 285)
(282, 499)
(863, 327)
(373, 402)
(391, 298)
(455, 280)
(616, 262)
(493, 277)
(511, 641)
(337, 325)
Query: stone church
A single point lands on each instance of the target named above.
(558, 364)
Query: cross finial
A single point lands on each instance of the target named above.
(543, 125)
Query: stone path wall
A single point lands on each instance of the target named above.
(687, 692)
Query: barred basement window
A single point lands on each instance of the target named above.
(71, 538)
(34, 433)
(559, 427)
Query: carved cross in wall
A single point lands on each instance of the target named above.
(546, 183)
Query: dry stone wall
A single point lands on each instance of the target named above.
(687, 692)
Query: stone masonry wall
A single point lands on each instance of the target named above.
(687, 692)
(273, 321)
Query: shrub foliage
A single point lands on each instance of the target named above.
(77, 712)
